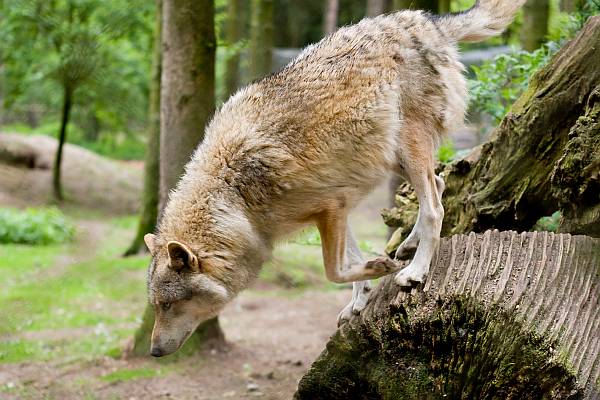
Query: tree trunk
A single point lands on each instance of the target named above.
(427, 5)
(544, 156)
(501, 316)
(62, 137)
(261, 38)
(444, 6)
(235, 23)
(570, 5)
(150, 197)
(535, 24)
(187, 100)
(375, 7)
(330, 21)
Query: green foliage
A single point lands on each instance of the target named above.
(34, 226)
(447, 152)
(97, 50)
(500, 82)
(549, 224)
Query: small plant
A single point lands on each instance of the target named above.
(548, 224)
(447, 152)
(34, 226)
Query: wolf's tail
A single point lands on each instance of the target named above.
(485, 19)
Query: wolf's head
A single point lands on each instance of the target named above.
(183, 292)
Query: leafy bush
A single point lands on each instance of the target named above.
(34, 226)
(446, 152)
(500, 82)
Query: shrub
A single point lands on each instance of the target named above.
(34, 226)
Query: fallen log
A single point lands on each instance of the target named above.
(502, 316)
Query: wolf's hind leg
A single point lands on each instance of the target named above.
(419, 168)
(408, 247)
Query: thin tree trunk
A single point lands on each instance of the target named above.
(535, 24)
(401, 4)
(542, 158)
(444, 6)
(187, 99)
(502, 316)
(375, 7)
(150, 197)
(427, 5)
(261, 38)
(62, 137)
(570, 5)
(235, 23)
(330, 21)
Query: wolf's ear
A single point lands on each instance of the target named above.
(181, 257)
(149, 239)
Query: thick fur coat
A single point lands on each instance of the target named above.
(304, 146)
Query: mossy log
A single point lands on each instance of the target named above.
(502, 316)
(544, 156)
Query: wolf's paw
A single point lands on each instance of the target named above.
(356, 305)
(413, 274)
(381, 266)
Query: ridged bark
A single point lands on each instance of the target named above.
(544, 156)
(502, 316)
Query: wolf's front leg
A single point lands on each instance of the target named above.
(360, 289)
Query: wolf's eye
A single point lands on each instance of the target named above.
(165, 306)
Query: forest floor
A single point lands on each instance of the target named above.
(68, 310)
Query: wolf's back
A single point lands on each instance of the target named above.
(485, 19)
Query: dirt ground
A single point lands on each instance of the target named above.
(271, 342)
(272, 334)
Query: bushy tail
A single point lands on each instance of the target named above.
(485, 19)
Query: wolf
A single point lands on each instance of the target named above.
(303, 146)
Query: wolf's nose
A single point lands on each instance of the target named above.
(156, 352)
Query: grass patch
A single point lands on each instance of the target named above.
(45, 288)
(35, 226)
(127, 374)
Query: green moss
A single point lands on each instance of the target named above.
(453, 348)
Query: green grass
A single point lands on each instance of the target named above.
(127, 374)
(45, 288)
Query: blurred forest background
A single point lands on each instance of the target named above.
(81, 181)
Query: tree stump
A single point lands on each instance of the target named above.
(502, 315)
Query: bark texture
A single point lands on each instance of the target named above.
(261, 38)
(187, 84)
(187, 99)
(544, 156)
(150, 196)
(502, 316)
(535, 23)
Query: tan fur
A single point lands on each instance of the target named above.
(305, 145)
